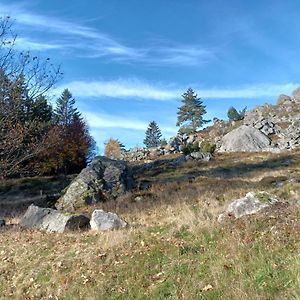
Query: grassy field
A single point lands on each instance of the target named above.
(173, 248)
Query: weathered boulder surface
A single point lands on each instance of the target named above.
(250, 204)
(245, 139)
(52, 220)
(102, 179)
(102, 220)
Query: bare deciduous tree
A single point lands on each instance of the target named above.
(24, 78)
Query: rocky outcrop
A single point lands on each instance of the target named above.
(104, 178)
(245, 139)
(250, 204)
(52, 220)
(102, 220)
(296, 95)
(280, 122)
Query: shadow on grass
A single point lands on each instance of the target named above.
(17, 194)
(166, 171)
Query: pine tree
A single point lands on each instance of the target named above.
(69, 144)
(65, 111)
(190, 114)
(234, 115)
(153, 135)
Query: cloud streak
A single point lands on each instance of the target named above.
(133, 88)
(89, 42)
(24, 43)
(119, 89)
(99, 120)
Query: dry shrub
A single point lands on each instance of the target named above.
(113, 149)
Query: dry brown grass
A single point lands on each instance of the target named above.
(173, 248)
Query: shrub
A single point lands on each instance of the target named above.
(189, 148)
(113, 149)
(207, 147)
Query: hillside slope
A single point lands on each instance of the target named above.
(174, 248)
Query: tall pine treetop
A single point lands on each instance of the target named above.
(190, 114)
(153, 135)
(65, 111)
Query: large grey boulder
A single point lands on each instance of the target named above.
(103, 178)
(250, 204)
(102, 220)
(245, 139)
(52, 220)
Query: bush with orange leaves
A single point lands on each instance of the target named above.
(114, 149)
(67, 149)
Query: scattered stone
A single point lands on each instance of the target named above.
(138, 199)
(2, 223)
(102, 220)
(102, 179)
(296, 95)
(245, 139)
(250, 204)
(197, 155)
(282, 99)
(52, 220)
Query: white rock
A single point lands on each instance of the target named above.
(102, 220)
(250, 204)
(244, 139)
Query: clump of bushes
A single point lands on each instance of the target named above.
(190, 148)
(205, 147)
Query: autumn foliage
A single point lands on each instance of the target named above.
(113, 149)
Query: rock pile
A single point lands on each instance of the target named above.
(280, 122)
(51, 220)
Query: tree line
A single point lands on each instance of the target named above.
(36, 138)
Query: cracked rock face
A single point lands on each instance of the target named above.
(245, 139)
(102, 179)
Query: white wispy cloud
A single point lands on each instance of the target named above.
(100, 120)
(250, 91)
(122, 88)
(25, 43)
(183, 55)
(91, 43)
(134, 88)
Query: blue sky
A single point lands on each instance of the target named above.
(128, 62)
